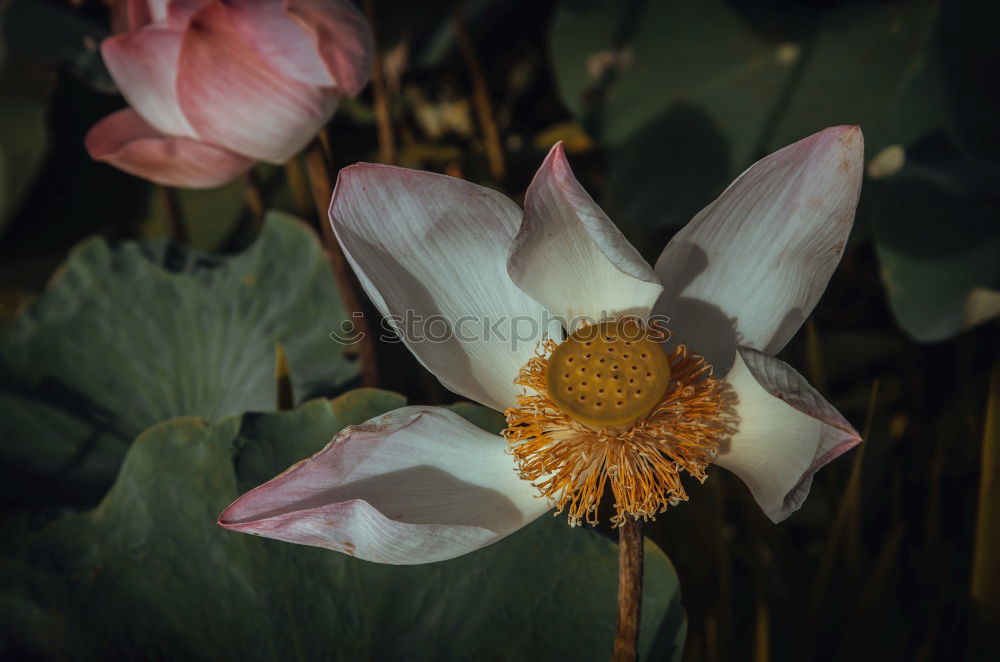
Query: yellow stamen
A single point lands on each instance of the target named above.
(607, 374)
(571, 457)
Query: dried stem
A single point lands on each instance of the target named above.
(480, 95)
(321, 178)
(846, 518)
(283, 380)
(254, 196)
(852, 493)
(383, 116)
(985, 585)
(814, 357)
(297, 182)
(762, 629)
(174, 214)
(629, 591)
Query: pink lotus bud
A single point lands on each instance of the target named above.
(214, 85)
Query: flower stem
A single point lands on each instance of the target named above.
(480, 94)
(321, 178)
(254, 197)
(380, 97)
(629, 591)
(174, 214)
(299, 185)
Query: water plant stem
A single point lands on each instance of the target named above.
(629, 591)
(321, 178)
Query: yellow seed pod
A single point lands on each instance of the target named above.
(610, 373)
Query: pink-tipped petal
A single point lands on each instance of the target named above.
(235, 98)
(786, 432)
(570, 257)
(432, 251)
(144, 65)
(340, 36)
(750, 267)
(127, 142)
(279, 40)
(416, 485)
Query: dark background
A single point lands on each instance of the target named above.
(878, 564)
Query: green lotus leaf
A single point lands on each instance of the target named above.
(152, 575)
(130, 334)
(622, 65)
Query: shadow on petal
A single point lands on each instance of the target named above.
(706, 330)
(414, 485)
(701, 325)
(764, 250)
(416, 495)
(790, 323)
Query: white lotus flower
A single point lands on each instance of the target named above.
(422, 484)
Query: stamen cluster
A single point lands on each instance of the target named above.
(572, 463)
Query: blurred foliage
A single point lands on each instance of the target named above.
(660, 104)
(937, 232)
(762, 86)
(151, 575)
(25, 87)
(60, 36)
(689, 94)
